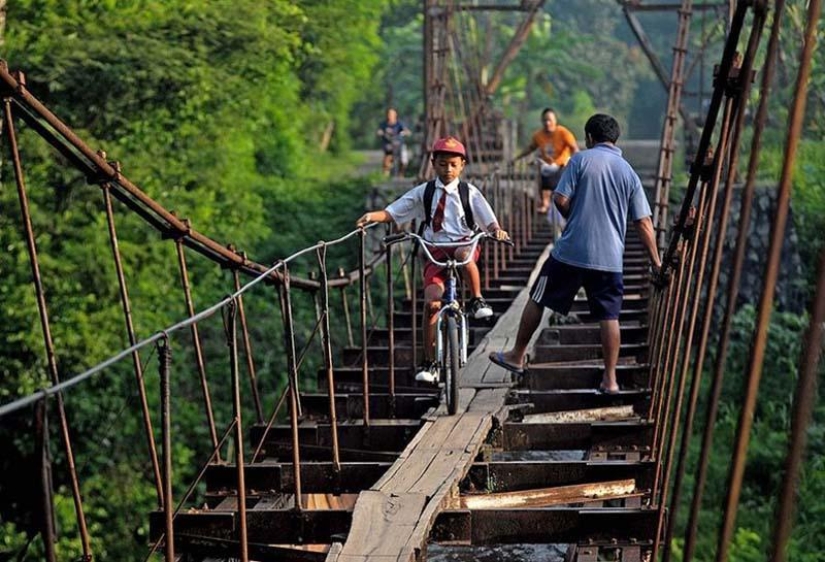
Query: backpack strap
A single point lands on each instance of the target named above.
(429, 193)
(463, 194)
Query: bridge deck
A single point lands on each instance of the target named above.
(545, 459)
(393, 519)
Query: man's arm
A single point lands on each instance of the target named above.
(527, 150)
(645, 228)
(571, 142)
(562, 204)
(374, 216)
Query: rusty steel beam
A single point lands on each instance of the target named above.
(247, 347)
(279, 526)
(98, 170)
(383, 405)
(728, 57)
(549, 496)
(635, 435)
(638, 6)
(196, 340)
(323, 453)
(664, 172)
(380, 435)
(164, 370)
(210, 548)
(765, 307)
(715, 390)
(544, 525)
(267, 478)
(293, 383)
(803, 406)
(44, 462)
(130, 332)
(231, 325)
(45, 324)
(500, 476)
(579, 399)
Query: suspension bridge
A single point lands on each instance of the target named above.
(369, 465)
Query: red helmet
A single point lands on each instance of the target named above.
(451, 145)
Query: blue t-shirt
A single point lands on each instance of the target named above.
(604, 192)
(391, 134)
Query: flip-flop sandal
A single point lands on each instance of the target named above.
(497, 357)
(603, 390)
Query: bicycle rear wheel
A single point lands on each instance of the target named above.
(452, 365)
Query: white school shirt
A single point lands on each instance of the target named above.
(454, 226)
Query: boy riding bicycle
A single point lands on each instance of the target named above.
(447, 220)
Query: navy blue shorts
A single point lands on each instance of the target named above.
(550, 180)
(558, 283)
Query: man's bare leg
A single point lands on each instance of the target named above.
(611, 341)
(530, 320)
(545, 201)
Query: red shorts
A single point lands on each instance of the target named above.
(437, 275)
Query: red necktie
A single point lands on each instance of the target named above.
(438, 217)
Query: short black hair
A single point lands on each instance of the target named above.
(547, 110)
(602, 128)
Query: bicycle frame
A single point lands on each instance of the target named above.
(452, 332)
(450, 304)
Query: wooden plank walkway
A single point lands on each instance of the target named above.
(392, 520)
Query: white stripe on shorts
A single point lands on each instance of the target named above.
(538, 291)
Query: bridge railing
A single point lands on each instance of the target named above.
(690, 278)
(351, 314)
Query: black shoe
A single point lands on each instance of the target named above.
(427, 372)
(479, 308)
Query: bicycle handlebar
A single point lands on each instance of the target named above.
(427, 244)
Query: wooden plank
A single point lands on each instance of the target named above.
(479, 369)
(496, 339)
(544, 497)
(577, 416)
(489, 400)
(381, 524)
(446, 460)
(405, 454)
(329, 501)
(448, 438)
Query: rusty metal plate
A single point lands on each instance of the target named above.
(544, 526)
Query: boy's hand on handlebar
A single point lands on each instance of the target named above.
(501, 235)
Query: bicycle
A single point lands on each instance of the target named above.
(452, 331)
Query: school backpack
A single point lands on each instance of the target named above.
(464, 195)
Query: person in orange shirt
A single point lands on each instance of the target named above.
(555, 145)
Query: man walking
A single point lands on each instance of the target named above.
(597, 193)
(554, 144)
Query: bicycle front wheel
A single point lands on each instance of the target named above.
(452, 365)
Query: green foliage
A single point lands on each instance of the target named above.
(220, 111)
(791, 40)
(574, 62)
(807, 197)
(766, 453)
